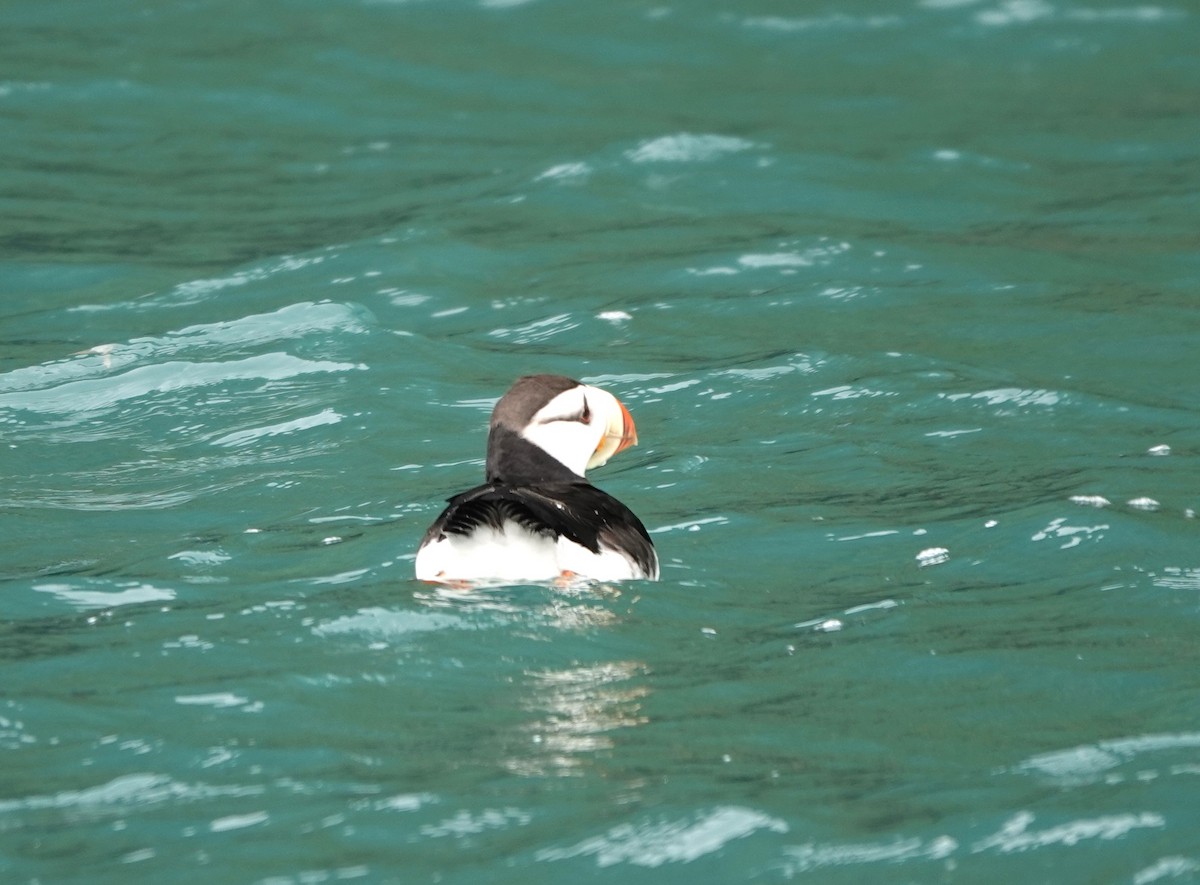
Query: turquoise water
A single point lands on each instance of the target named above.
(903, 298)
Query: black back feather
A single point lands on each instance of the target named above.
(578, 510)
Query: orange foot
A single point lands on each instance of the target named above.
(453, 583)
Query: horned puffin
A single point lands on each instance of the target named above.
(536, 517)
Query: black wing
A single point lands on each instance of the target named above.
(578, 510)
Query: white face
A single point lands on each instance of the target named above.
(582, 427)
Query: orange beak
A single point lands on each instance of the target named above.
(619, 431)
(628, 430)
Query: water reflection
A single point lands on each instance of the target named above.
(577, 710)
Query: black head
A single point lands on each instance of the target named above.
(527, 395)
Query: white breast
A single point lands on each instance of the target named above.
(513, 554)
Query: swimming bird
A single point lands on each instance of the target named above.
(536, 517)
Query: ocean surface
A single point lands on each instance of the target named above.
(903, 296)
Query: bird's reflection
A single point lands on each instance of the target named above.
(569, 607)
(575, 711)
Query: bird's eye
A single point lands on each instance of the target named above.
(582, 415)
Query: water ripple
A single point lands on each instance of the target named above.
(117, 796)
(1016, 834)
(1100, 762)
(103, 393)
(654, 843)
(242, 437)
(129, 593)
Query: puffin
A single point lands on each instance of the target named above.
(536, 517)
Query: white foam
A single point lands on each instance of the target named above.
(242, 437)
(96, 394)
(565, 172)
(933, 556)
(669, 841)
(238, 821)
(1010, 396)
(132, 593)
(1074, 534)
(687, 148)
(218, 700)
(1016, 834)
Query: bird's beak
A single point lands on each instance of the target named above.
(619, 433)
(622, 431)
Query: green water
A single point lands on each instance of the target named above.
(903, 298)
